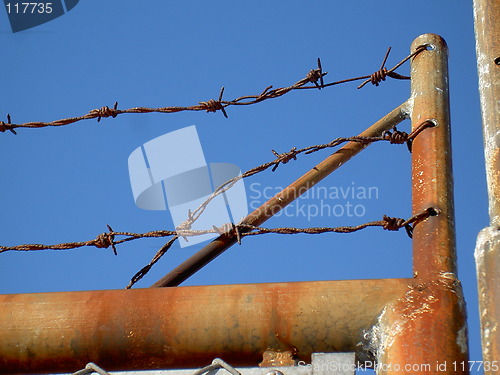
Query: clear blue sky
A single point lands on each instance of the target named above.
(65, 184)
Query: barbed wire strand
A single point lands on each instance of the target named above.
(239, 231)
(107, 239)
(212, 105)
(395, 137)
(242, 230)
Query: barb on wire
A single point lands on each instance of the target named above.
(105, 112)
(381, 74)
(317, 74)
(7, 126)
(400, 137)
(212, 105)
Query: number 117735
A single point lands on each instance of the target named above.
(26, 8)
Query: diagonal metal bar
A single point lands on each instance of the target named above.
(282, 199)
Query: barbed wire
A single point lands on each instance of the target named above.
(231, 230)
(212, 105)
(241, 230)
(394, 137)
(107, 239)
(184, 230)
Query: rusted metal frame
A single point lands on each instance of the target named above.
(282, 199)
(187, 327)
(425, 332)
(487, 253)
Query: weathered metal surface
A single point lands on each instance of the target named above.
(432, 176)
(283, 198)
(487, 29)
(427, 328)
(187, 327)
(424, 332)
(487, 256)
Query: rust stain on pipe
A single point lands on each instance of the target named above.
(424, 332)
(187, 326)
(432, 176)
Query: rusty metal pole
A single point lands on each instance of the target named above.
(487, 253)
(425, 332)
(187, 327)
(283, 198)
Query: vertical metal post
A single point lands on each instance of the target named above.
(425, 332)
(487, 29)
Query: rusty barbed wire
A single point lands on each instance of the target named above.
(395, 137)
(381, 74)
(212, 105)
(7, 126)
(241, 230)
(106, 239)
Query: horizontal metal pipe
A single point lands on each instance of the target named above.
(187, 326)
(283, 198)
